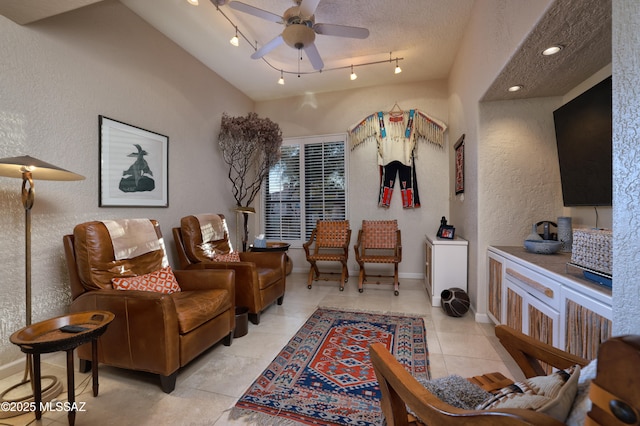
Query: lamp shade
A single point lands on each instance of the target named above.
(40, 170)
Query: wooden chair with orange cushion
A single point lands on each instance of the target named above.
(328, 242)
(614, 393)
(379, 241)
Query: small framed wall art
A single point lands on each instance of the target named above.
(134, 166)
(459, 159)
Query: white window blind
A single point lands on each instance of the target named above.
(309, 183)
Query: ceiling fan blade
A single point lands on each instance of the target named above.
(251, 10)
(314, 56)
(341, 30)
(308, 7)
(268, 47)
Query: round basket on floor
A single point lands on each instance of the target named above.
(455, 302)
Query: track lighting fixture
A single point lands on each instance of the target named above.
(398, 70)
(234, 40)
(353, 74)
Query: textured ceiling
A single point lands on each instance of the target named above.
(583, 27)
(26, 11)
(426, 33)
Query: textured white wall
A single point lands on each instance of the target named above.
(519, 176)
(626, 167)
(58, 75)
(494, 33)
(328, 113)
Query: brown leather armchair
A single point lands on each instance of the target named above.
(260, 276)
(154, 332)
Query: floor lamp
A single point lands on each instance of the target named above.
(29, 168)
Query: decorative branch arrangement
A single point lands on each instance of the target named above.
(250, 146)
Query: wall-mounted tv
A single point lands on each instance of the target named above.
(583, 136)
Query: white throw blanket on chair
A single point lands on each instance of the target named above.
(132, 237)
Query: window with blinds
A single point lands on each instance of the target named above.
(308, 183)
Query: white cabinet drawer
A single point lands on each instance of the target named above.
(542, 288)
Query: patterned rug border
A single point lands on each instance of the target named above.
(256, 416)
(367, 311)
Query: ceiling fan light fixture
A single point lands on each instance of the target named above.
(298, 36)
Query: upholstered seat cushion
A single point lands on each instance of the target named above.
(194, 308)
(379, 258)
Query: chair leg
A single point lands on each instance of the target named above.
(361, 279)
(168, 383)
(280, 300)
(254, 318)
(396, 284)
(228, 339)
(84, 366)
(345, 276)
(311, 271)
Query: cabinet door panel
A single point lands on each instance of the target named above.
(585, 330)
(495, 288)
(514, 308)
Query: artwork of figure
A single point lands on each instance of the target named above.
(396, 133)
(137, 178)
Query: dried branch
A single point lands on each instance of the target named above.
(250, 147)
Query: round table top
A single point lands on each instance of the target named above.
(47, 336)
(271, 246)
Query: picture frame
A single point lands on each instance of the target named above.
(134, 166)
(448, 232)
(459, 163)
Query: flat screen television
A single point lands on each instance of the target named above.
(583, 136)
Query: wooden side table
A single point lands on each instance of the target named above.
(47, 336)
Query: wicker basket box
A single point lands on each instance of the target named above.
(592, 248)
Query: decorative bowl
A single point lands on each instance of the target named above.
(542, 247)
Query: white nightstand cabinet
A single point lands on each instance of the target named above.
(445, 265)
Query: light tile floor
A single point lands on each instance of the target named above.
(209, 386)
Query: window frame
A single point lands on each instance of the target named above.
(302, 141)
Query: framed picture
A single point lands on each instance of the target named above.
(134, 166)
(448, 232)
(459, 159)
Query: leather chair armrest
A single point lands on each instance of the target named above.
(206, 279)
(277, 259)
(245, 271)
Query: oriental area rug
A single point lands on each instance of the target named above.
(324, 376)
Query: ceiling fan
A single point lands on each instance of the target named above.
(300, 29)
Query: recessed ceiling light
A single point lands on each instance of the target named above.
(515, 88)
(552, 50)
(193, 2)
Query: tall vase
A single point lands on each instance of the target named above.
(565, 233)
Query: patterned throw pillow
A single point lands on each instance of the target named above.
(552, 394)
(161, 281)
(234, 256)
